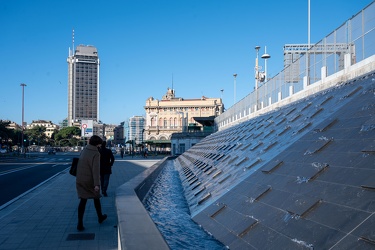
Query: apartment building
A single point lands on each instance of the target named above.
(50, 127)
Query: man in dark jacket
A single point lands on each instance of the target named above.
(106, 161)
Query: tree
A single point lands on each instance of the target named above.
(8, 136)
(36, 135)
(67, 136)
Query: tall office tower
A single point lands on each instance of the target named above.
(83, 84)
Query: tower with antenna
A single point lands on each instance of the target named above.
(71, 51)
(73, 41)
(83, 78)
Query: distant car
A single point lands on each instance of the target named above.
(114, 151)
(51, 152)
(3, 150)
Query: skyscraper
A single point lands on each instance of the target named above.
(83, 84)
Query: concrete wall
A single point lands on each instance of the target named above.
(136, 229)
(301, 177)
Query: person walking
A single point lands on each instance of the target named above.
(145, 152)
(122, 152)
(88, 180)
(106, 162)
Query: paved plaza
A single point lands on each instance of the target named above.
(46, 217)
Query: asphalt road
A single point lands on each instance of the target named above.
(19, 175)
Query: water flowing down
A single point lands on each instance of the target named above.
(169, 210)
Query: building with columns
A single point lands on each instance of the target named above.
(174, 114)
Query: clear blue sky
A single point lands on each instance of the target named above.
(142, 43)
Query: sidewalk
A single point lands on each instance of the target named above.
(46, 218)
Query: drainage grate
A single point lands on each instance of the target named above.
(81, 236)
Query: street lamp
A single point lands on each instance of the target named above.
(265, 56)
(256, 67)
(308, 45)
(143, 130)
(235, 76)
(104, 131)
(23, 98)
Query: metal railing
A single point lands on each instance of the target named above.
(347, 45)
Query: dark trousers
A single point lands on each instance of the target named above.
(82, 207)
(104, 181)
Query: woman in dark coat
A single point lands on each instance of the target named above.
(88, 180)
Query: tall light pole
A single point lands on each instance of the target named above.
(143, 130)
(222, 90)
(23, 98)
(265, 56)
(256, 77)
(308, 44)
(104, 132)
(235, 76)
(256, 67)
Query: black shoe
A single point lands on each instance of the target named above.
(80, 228)
(105, 194)
(101, 219)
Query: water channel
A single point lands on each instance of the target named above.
(169, 210)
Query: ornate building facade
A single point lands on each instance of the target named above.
(174, 114)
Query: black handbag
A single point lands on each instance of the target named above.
(73, 167)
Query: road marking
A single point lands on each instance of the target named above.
(27, 167)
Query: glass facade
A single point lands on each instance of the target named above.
(136, 129)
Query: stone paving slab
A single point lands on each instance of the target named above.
(46, 217)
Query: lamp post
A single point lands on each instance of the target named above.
(265, 56)
(256, 77)
(23, 98)
(143, 130)
(235, 76)
(308, 44)
(256, 67)
(104, 131)
(135, 144)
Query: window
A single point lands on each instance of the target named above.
(182, 148)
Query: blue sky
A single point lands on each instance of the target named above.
(143, 43)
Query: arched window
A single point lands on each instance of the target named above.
(165, 122)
